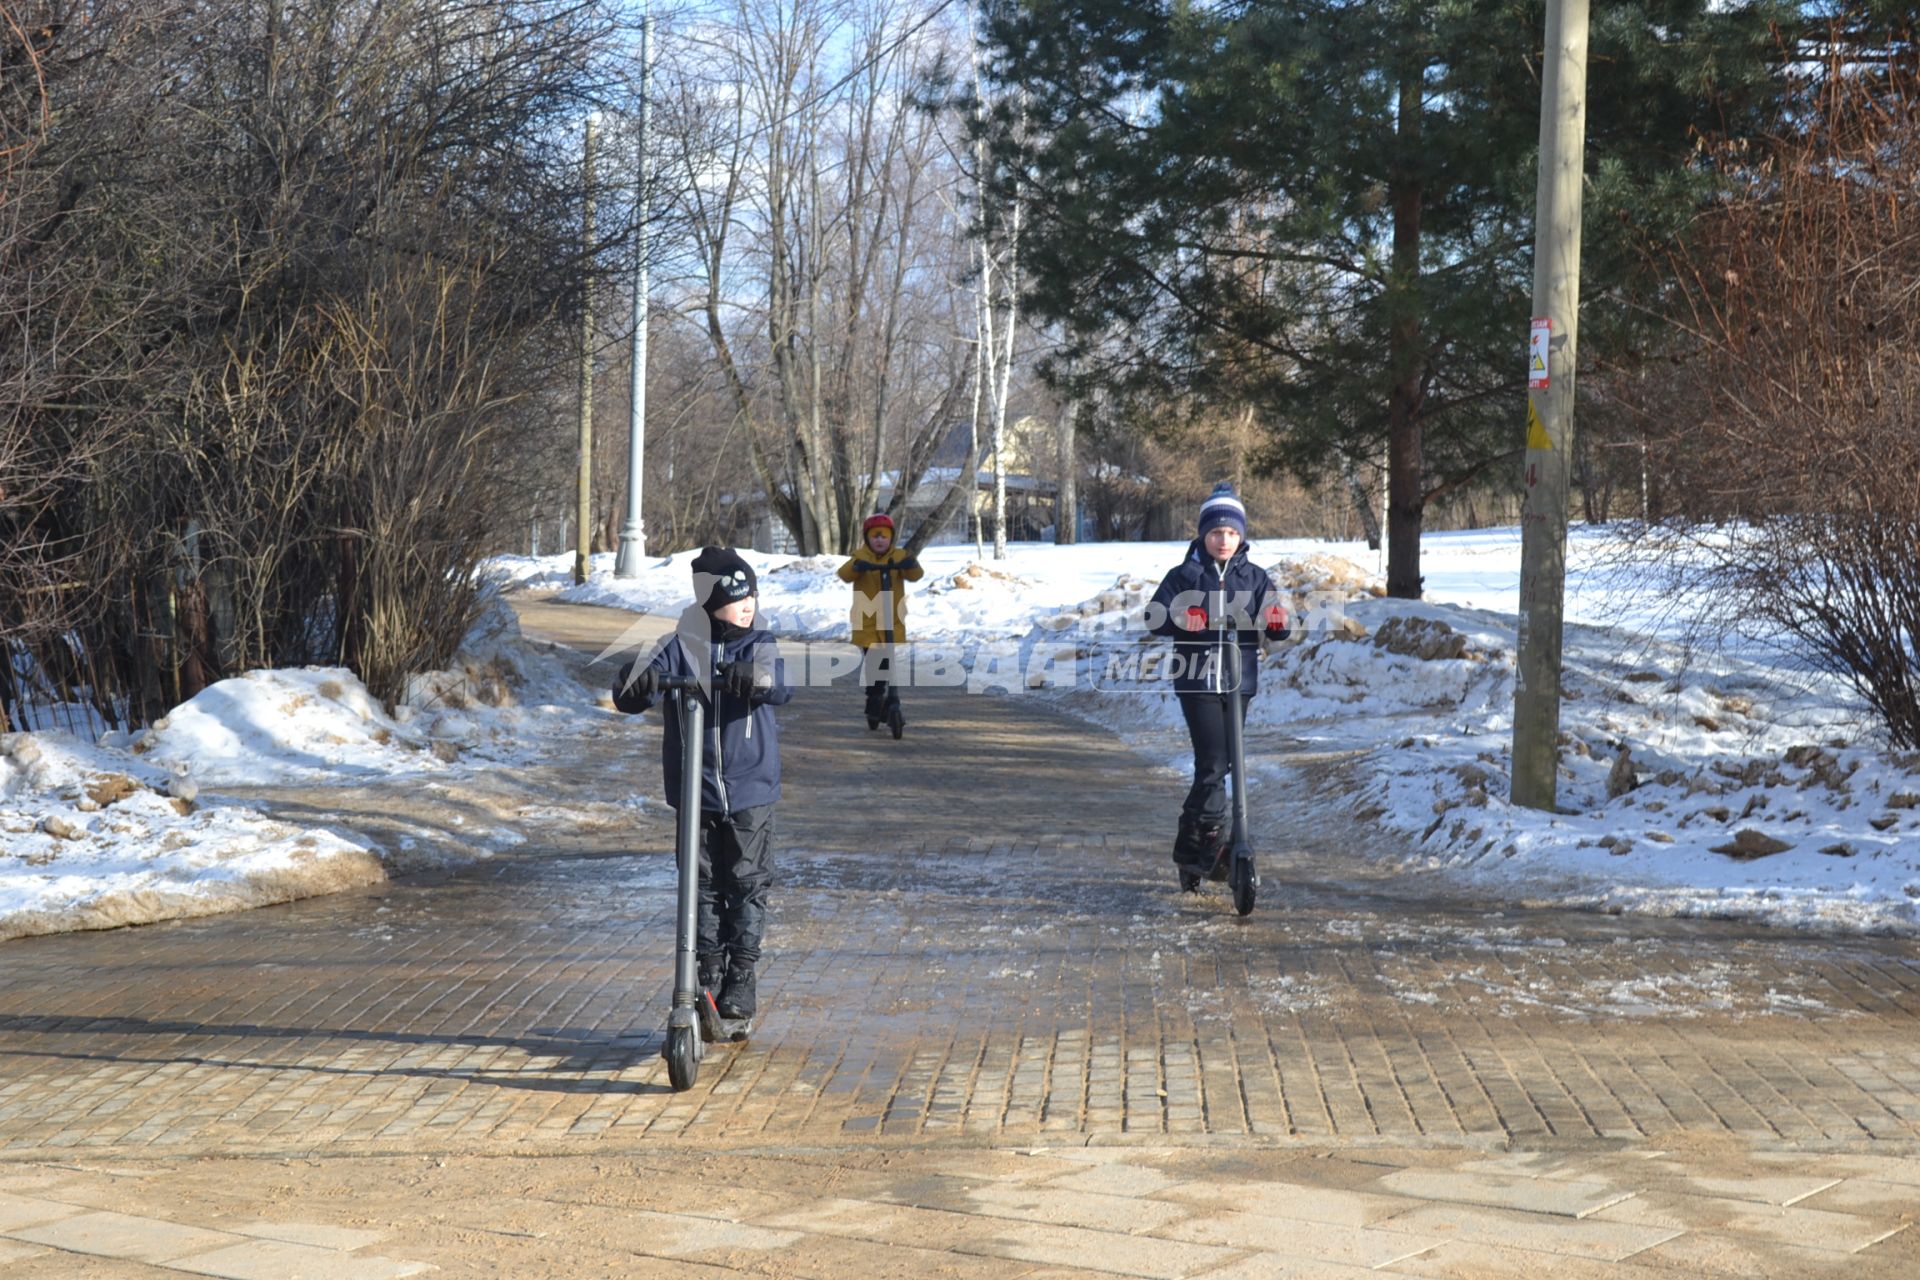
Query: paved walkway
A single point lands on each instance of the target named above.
(976, 953)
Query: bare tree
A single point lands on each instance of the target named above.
(1793, 471)
(815, 189)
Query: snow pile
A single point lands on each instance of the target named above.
(320, 724)
(126, 832)
(93, 838)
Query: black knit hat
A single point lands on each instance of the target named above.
(720, 577)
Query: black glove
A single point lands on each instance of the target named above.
(909, 563)
(1276, 623)
(868, 566)
(634, 693)
(739, 681)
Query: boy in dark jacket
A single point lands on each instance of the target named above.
(743, 678)
(1216, 575)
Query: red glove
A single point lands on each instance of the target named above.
(1196, 618)
(1276, 622)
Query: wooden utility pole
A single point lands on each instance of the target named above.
(1550, 363)
(583, 515)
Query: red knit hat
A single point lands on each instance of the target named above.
(875, 522)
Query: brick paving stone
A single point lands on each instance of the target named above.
(1809, 1228)
(1292, 1200)
(1869, 1197)
(1710, 1254)
(1586, 1238)
(1474, 1260)
(279, 1259)
(1505, 1191)
(17, 1212)
(1321, 1241)
(317, 1234)
(16, 1251)
(122, 1235)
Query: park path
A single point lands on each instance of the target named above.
(976, 950)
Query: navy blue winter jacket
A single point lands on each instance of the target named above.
(741, 761)
(1195, 584)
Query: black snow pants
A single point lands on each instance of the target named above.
(1206, 713)
(736, 871)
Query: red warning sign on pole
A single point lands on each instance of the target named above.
(1537, 341)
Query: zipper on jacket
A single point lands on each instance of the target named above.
(1220, 635)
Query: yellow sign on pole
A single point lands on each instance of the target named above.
(1537, 437)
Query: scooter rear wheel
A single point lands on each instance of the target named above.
(683, 1058)
(897, 722)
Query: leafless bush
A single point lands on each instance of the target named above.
(285, 283)
(1790, 454)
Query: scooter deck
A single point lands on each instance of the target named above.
(715, 1029)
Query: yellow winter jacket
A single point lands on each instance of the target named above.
(880, 594)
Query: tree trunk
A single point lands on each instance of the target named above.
(1066, 507)
(1363, 504)
(1406, 504)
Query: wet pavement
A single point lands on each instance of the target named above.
(977, 952)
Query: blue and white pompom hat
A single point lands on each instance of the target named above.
(1222, 508)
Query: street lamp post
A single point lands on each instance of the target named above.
(633, 535)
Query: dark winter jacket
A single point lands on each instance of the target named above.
(1199, 664)
(741, 760)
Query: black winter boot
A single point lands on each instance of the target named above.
(1188, 853)
(713, 973)
(1215, 853)
(737, 996)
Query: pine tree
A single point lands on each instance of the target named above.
(1323, 208)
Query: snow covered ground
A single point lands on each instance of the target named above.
(1750, 788)
(129, 828)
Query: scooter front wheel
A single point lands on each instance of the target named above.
(1245, 881)
(896, 722)
(683, 1058)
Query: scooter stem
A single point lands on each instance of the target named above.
(692, 727)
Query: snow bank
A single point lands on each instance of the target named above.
(1749, 788)
(125, 831)
(93, 838)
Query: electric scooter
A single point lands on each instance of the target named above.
(694, 1020)
(1241, 876)
(896, 718)
(684, 1049)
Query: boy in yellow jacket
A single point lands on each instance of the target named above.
(879, 572)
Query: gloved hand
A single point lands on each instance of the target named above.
(741, 680)
(635, 693)
(1276, 623)
(904, 565)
